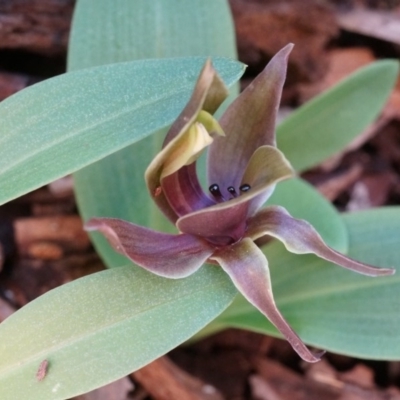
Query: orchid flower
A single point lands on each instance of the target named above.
(221, 226)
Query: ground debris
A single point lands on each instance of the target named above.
(384, 25)
(118, 390)
(36, 25)
(165, 381)
(11, 83)
(274, 381)
(264, 27)
(50, 237)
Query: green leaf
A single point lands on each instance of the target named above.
(105, 32)
(303, 201)
(115, 186)
(333, 308)
(60, 125)
(96, 329)
(329, 122)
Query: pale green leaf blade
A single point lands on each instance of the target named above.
(106, 32)
(330, 307)
(96, 329)
(303, 201)
(65, 123)
(326, 124)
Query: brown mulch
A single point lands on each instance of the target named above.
(42, 244)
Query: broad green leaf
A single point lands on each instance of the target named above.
(121, 30)
(106, 32)
(303, 201)
(330, 307)
(60, 125)
(97, 329)
(129, 307)
(329, 122)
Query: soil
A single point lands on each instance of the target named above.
(43, 245)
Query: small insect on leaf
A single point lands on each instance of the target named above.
(42, 370)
